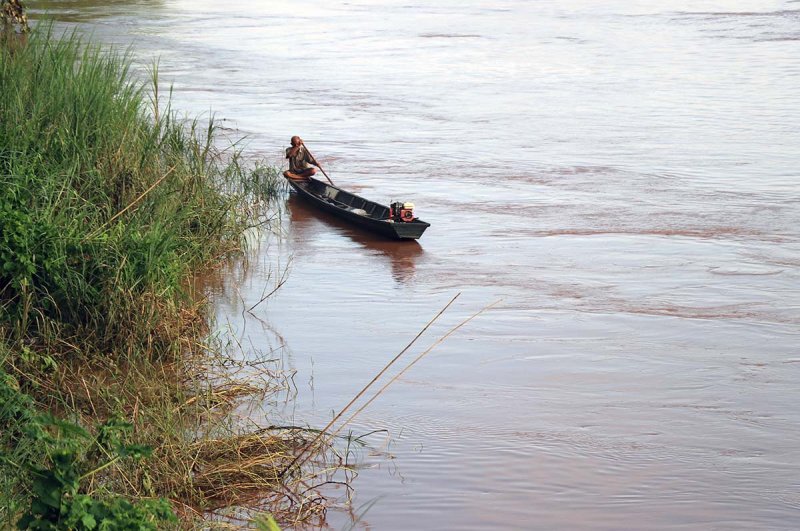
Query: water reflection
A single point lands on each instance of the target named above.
(307, 222)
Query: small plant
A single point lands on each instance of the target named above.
(57, 503)
(55, 478)
(266, 522)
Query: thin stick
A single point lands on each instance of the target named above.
(401, 373)
(281, 282)
(118, 214)
(364, 389)
(318, 166)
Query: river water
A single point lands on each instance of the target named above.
(622, 174)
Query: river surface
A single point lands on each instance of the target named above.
(624, 175)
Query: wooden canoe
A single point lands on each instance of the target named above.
(357, 210)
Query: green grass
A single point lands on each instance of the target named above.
(109, 203)
(81, 257)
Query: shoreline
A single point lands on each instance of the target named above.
(106, 364)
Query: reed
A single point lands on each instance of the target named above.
(109, 202)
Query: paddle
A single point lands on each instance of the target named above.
(318, 166)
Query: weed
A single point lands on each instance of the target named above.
(108, 205)
(54, 471)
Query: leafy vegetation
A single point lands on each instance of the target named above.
(109, 203)
(54, 470)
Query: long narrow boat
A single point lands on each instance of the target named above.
(357, 210)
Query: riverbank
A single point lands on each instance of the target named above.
(118, 407)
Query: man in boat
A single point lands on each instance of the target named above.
(299, 160)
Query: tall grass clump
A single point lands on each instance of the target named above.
(109, 203)
(106, 204)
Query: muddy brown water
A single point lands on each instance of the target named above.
(623, 175)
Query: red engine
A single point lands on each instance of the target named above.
(401, 212)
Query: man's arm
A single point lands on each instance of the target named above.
(310, 159)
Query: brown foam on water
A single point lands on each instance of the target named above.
(450, 36)
(704, 233)
(733, 311)
(739, 272)
(791, 13)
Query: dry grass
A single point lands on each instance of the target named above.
(214, 467)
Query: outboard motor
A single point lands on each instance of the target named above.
(400, 211)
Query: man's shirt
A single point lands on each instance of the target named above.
(300, 161)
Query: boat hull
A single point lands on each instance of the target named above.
(360, 212)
